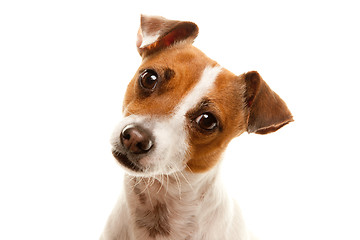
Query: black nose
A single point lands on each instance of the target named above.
(135, 139)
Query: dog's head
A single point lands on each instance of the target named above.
(181, 109)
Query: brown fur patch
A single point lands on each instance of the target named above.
(267, 111)
(226, 100)
(183, 63)
(155, 221)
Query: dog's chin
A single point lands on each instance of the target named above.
(129, 165)
(132, 165)
(135, 168)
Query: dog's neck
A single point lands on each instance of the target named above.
(174, 205)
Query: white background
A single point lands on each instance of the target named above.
(64, 66)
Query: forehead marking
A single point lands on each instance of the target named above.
(177, 146)
(205, 84)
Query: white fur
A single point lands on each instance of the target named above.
(198, 207)
(216, 215)
(148, 39)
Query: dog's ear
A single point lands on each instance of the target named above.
(156, 33)
(267, 112)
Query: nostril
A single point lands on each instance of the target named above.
(126, 135)
(126, 132)
(145, 145)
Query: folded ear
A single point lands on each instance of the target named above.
(267, 112)
(156, 33)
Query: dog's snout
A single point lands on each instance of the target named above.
(135, 139)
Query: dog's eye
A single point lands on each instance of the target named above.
(148, 79)
(207, 121)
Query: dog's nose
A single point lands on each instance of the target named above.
(135, 139)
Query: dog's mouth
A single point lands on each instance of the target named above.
(125, 161)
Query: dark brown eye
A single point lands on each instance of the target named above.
(148, 79)
(207, 121)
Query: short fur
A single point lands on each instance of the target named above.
(173, 190)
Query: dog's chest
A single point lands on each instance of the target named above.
(162, 212)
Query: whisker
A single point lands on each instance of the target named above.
(187, 181)
(161, 182)
(137, 182)
(187, 166)
(130, 179)
(152, 181)
(146, 185)
(150, 199)
(178, 183)
(167, 184)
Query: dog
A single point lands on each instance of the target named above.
(181, 110)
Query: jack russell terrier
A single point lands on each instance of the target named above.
(181, 110)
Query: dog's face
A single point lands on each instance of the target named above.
(181, 109)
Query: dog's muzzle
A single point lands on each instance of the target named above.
(135, 142)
